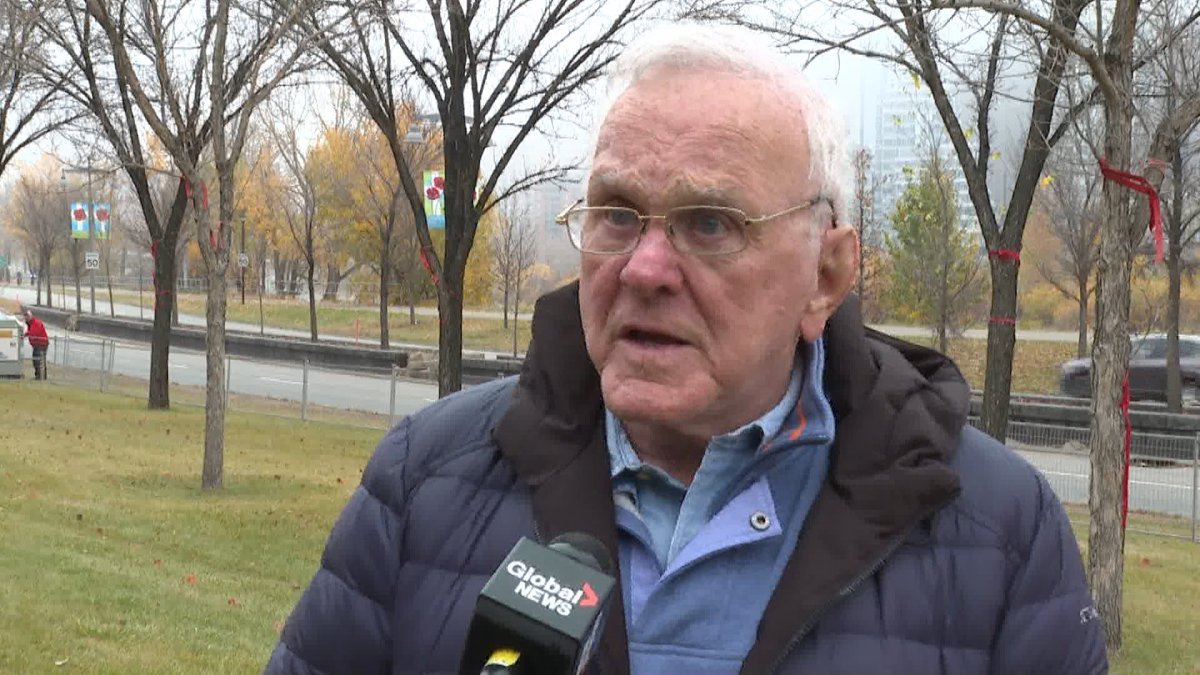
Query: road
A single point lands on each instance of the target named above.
(346, 391)
(28, 295)
(1168, 489)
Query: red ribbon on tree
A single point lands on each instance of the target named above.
(1008, 254)
(1140, 184)
(1006, 320)
(1128, 445)
(187, 190)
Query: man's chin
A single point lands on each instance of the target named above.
(650, 402)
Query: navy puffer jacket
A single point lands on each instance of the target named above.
(930, 549)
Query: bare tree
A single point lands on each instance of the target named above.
(29, 100)
(82, 62)
(298, 202)
(1072, 201)
(494, 72)
(236, 54)
(514, 246)
(37, 215)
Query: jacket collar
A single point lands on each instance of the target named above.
(899, 410)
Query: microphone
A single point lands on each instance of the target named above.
(543, 610)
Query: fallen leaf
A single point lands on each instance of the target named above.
(157, 562)
(63, 662)
(1145, 562)
(190, 580)
(233, 602)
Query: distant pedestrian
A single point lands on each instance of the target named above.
(35, 330)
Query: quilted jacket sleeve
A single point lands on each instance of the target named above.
(1051, 624)
(342, 625)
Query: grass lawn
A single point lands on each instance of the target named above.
(114, 561)
(1035, 363)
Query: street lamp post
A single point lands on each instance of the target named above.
(91, 208)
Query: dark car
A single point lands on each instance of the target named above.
(1147, 370)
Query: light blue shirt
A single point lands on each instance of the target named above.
(672, 512)
(730, 533)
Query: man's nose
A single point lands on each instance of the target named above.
(654, 263)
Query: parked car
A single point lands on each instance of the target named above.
(1147, 370)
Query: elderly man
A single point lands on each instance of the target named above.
(785, 490)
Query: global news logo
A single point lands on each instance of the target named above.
(550, 592)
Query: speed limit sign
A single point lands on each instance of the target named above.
(91, 260)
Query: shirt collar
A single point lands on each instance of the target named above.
(752, 436)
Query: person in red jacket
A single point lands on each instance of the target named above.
(35, 330)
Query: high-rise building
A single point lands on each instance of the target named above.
(907, 124)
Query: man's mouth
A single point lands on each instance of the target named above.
(651, 338)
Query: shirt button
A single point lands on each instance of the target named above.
(760, 521)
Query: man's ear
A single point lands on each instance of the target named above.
(836, 266)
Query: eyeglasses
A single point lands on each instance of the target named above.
(697, 230)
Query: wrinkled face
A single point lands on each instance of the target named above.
(702, 345)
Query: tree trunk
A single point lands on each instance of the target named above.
(212, 476)
(450, 313)
(175, 302)
(385, 265)
(1110, 355)
(159, 395)
(505, 285)
(1081, 349)
(1174, 227)
(312, 301)
(1002, 342)
(516, 308)
(333, 281)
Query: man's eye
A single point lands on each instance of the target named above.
(622, 218)
(702, 222)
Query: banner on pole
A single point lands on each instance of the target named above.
(435, 200)
(103, 218)
(79, 220)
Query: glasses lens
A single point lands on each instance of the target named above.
(708, 230)
(603, 229)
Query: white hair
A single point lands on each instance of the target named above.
(688, 46)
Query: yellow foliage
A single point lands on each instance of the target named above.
(480, 274)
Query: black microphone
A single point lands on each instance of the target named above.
(543, 610)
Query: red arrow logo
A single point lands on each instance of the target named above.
(589, 596)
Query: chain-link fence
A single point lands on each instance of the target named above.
(1164, 473)
(281, 388)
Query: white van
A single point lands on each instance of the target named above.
(12, 345)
